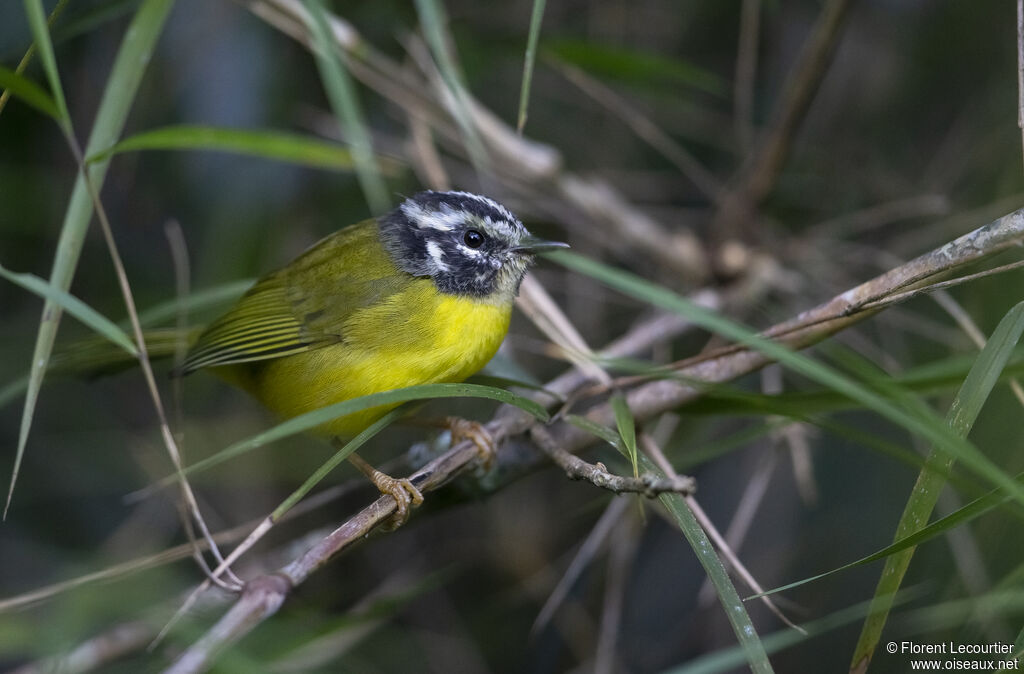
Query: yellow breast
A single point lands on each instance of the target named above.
(417, 336)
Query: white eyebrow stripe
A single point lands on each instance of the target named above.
(445, 220)
(505, 213)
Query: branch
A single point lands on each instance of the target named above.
(597, 474)
(757, 176)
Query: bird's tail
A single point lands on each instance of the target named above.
(97, 357)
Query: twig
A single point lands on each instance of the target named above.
(604, 526)
(642, 125)
(746, 73)
(1020, 72)
(620, 561)
(757, 176)
(536, 303)
(864, 221)
(577, 469)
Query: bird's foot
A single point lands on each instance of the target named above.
(404, 492)
(464, 429)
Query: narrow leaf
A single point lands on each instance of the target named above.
(311, 420)
(197, 301)
(962, 414)
(342, 95)
(531, 57)
(74, 306)
(432, 18)
(633, 67)
(129, 65)
(627, 429)
(735, 611)
(597, 430)
(320, 473)
(263, 143)
(29, 92)
(963, 515)
(41, 35)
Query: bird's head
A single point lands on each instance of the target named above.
(467, 244)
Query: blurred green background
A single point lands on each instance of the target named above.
(910, 140)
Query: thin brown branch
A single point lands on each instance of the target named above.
(645, 128)
(597, 474)
(758, 175)
(746, 73)
(600, 532)
(1020, 72)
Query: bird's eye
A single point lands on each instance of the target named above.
(473, 238)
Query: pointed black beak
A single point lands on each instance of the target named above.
(532, 244)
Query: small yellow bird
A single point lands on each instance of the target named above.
(421, 295)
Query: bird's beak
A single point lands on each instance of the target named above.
(533, 244)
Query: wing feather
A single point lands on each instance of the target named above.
(305, 304)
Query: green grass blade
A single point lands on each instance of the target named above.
(74, 306)
(432, 18)
(627, 429)
(129, 65)
(88, 18)
(735, 611)
(311, 420)
(29, 93)
(197, 301)
(597, 430)
(528, 62)
(320, 473)
(916, 418)
(13, 390)
(728, 659)
(23, 64)
(342, 95)
(963, 515)
(944, 376)
(962, 414)
(41, 35)
(633, 67)
(263, 143)
(154, 316)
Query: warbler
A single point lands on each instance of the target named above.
(420, 295)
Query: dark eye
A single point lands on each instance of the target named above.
(473, 238)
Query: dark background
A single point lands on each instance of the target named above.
(918, 107)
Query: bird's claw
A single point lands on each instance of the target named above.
(464, 429)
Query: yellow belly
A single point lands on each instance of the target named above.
(417, 337)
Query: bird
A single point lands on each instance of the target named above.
(422, 294)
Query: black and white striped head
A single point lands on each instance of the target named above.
(467, 244)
